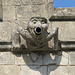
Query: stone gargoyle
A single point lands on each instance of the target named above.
(35, 37)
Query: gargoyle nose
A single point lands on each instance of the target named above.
(38, 30)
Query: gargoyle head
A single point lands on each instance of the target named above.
(37, 25)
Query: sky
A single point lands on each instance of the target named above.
(64, 3)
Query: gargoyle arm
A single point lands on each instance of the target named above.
(54, 33)
(24, 33)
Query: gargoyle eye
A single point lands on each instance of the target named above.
(34, 21)
(44, 21)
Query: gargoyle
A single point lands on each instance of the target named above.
(36, 35)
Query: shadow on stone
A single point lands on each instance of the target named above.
(41, 63)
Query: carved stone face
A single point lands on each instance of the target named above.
(37, 25)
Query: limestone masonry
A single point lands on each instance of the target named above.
(15, 13)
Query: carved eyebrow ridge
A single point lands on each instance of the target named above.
(33, 20)
(38, 18)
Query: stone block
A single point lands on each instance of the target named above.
(39, 10)
(23, 12)
(11, 2)
(66, 30)
(49, 59)
(62, 59)
(9, 13)
(27, 60)
(34, 2)
(35, 10)
(26, 2)
(58, 70)
(50, 9)
(71, 70)
(58, 59)
(7, 2)
(1, 13)
(44, 11)
(19, 23)
(9, 69)
(61, 70)
(28, 11)
(6, 58)
(63, 14)
(72, 58)
(33, 70)
(5, 31)
(37, 2)
(17, 2)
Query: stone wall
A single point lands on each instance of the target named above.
(17, 13)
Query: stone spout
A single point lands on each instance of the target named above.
(38, 30)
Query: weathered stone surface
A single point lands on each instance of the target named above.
(26, 1)
(7, 2)
(39, 10)
(62, 59)
(11, 2)
(34, 56)
(71, 70)
(59, 59)
(0, 2)
(1, 13)
(9, 69)
(44, 11)
(61, 70)
(6, 58)
(63, 14)
(19, 23)
(5, 31)
(34, 2)
(49, 27)
(72, 58)
(66, 30)
(26, 60)
(9, 13)
(28, 11)
(49, 59)
(58, 70)
(17, 2)
(38, 1)
(23, 12)
(35, 10)
(33, 70)
(50, 9)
